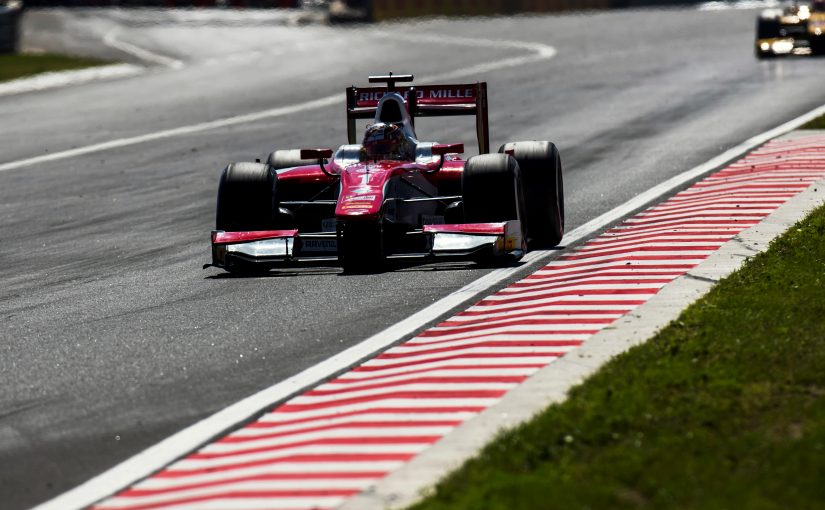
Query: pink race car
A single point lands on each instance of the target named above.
(392, 196)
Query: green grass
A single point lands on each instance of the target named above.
(22, 65)
(817, 123)
(724, 409)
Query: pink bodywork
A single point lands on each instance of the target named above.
(363, 184)
(245, 237)
(498, 228)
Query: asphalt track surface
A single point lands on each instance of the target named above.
(113, 337)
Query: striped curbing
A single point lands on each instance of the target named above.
(365, 439)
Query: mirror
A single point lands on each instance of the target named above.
(452, 148)
(316, 153)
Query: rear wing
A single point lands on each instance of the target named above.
(422, 101)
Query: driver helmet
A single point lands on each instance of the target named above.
(386, 141)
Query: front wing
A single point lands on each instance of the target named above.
(501, 240)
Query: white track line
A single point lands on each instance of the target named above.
(111, 40)
(44, 81)
(50, 80)
(170, 133)
(538, 52)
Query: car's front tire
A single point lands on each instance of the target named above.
(492, 189)
(543, 183)
(361, 247)
(246, 202)
(246, 198)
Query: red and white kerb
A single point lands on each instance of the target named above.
(330, 443)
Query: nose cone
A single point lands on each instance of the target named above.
(362, 190)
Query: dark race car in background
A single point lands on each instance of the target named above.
(795, 29)
(359, 208)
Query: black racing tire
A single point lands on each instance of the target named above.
(247, 199)
(492, 190)
(543, 183)
(361, 247)
(287, 159)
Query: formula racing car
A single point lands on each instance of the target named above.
(796, 29)
(391, 196)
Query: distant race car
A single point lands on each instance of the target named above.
(391, 195)
(796, 29)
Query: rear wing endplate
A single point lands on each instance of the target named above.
(424, 101)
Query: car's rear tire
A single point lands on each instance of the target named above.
(287, 159)
(543, 183)
(361, 247)
(247, 198)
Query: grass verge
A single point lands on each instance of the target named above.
(817, 123)
(725, 408)
(22, 65)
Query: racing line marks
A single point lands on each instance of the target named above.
(326, 445)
